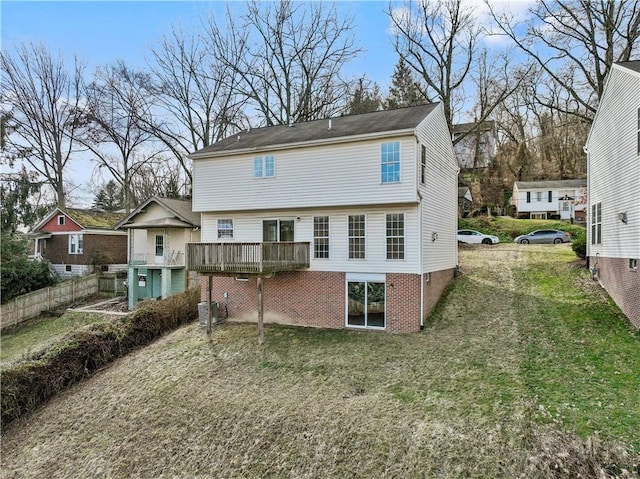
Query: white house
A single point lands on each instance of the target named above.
(351, 219)
(158, 231)
(559, 199)
(613, 162)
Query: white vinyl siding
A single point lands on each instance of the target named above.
(614, 166)
(342, 174)
(439, 205)
(248, 228)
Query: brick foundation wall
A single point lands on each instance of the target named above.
(317, 299)
(434, 288)
(622, 284)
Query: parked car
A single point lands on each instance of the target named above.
(544, 236)
(475, 237)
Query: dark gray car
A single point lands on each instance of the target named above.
(544, 236)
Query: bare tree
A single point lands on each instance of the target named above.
(111, 130)
(440, 41)
(193, 99)
(574, 43)
(44, 99)
(288, 57)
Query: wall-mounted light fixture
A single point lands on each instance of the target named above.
(623, 217)
(434, 236)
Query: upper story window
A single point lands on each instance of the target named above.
(550, 196)
(356, 237)
(321, 237)
(596, 223)
(390, 162)
(538, 196)
(61, 220)
(423, 164)
(528, 197)
(264, 166)
(395, 236)
(159, 245)
(225, 229)
(76, 244)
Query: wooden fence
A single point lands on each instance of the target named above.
(32, 304)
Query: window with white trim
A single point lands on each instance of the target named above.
(264, 166)
(390, 162)
(356, 237)
(321, 237)
(538, 196)
(225, 229)
(596, 223)
(159, 245)
(76, 244)
(61, 220)
(395, 236)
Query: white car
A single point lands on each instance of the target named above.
(475, 237)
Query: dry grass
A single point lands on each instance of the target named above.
(451, 402)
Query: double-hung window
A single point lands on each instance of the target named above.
(390, 162)
(538, 196)
(76, 244)
(225, 229)
(596, 223)
(264, 166)
(321, 237)
(356, 237)
(159, 245)
(395, 236)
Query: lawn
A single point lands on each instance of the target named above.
(30, 336)
(526, 369)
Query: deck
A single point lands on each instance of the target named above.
(247, 258)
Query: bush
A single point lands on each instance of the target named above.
(19, 274)
(579, 245)
(29, 383)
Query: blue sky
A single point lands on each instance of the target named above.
(101, 32)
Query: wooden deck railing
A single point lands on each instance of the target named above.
(247, 258)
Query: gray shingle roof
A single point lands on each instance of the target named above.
(181, 209)
(631, 65)
(553, 184)
(343, 126)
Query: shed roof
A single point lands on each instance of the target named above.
(327, 129)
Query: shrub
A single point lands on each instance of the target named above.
(579, 245)
(29, 383)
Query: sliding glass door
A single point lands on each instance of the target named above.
(366, 303)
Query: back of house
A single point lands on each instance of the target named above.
(351, 219)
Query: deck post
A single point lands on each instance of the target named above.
(210, 287)
(260, 312)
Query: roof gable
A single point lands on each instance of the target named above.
(179, 211)
(401, 119)
(85, 219)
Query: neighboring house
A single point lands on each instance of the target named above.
(464, 201)
(613, 167)
(351, 219)
(158, 231)
(559, 199)
(478, 147)
(78, 241)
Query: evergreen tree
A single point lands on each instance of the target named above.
(19, 206)
(109, 197)
(365, 98)
(404, 90)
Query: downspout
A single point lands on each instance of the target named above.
(420, 245)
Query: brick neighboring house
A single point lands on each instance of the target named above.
(351, 222)
(556, 199)
(78, 241)
(613, 166)
(158, 232)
